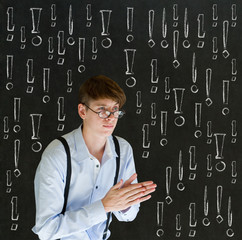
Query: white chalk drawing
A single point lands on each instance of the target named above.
(138, 102)
(81, 54)
(160, 218)
(234, 69)
(22, 37)
(194, 88)
(17, 172)
(53, 15)
(153, 114)
(8, 181)
(215, 15)
(9, 72)
(61, 47)
(154, 78)
(5, 127)
(89, 15)
(46, 83)
(220, 141)
(178, 225)
(200, 30)
(146, 141)
(208, 100)
(180, 185)
(209, 165)
(186, 43)
(225, 38)
(234, 15)
(192, 219)
(61, 114)
(10, 24)
(151, 42)
(36, 14)
(16, 114)
(230, 232)
(130, 56)
(30, 76)
(234, 172)
(130, 24)
(167, 88)
(198, 119)
(70, 40)
(168, 198)
(206, 221)
(164, 42)
(163, 128)
(226, 84)
(219, 217)
(176, 63)
(192, 162)
(175, 15)
(106, 15)
(215, 48)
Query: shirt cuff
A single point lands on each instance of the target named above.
(98, 213)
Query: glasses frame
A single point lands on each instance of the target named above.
(98, 113)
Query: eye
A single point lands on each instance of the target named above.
(115, 108)
(101, 108)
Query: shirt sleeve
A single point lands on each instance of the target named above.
(129, 169)
(49, 196)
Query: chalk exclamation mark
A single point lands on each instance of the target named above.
(130, 55)
(219, 140)
(61, 114)
(89, 15)
(10, 24)
(138, 102)
(146, 141)
(46, 83)
(163, 128)
(17, 172)
(160, 218)
(130, 24)
(198, 119)
(16, 114)
(9, 181)
(9, 69)
(106, 15)
(81, 54)
(226, 84)
(35, 120)
(5, 127)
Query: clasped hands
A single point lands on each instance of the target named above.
(123, 195)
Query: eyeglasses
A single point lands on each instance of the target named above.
(105, 114)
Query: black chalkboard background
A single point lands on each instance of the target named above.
(183, 105)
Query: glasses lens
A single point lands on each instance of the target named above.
(118, 114)
(104, 114)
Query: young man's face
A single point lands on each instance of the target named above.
(95, 125)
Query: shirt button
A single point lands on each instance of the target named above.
(96, 187)
(97, 166)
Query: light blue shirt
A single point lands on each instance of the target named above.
(85, 217)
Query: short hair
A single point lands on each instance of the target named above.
(99, 87)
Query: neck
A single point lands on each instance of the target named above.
(94, 143)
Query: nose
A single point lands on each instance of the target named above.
(111, 116)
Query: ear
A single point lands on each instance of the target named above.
(82, 110)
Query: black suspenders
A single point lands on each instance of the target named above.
(68, 176)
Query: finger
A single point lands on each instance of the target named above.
(131, 179)
(147, 183)
(118, 185)
(151, 186)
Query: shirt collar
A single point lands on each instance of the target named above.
(82, 149)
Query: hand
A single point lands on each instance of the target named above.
(123, 195)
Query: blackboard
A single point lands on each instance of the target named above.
(179, 64)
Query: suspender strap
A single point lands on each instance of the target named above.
(117, 149)
(68, 176)
(68, 172)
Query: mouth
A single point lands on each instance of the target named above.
(108, 126)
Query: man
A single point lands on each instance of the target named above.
(93, 157)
